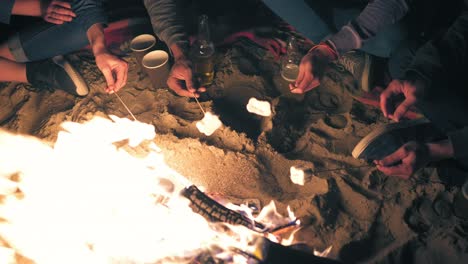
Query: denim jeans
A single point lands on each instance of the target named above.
(45, 40)
(309, 18)
(5, 11)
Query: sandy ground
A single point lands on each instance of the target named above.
(360, 212)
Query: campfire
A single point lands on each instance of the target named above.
(102, 193)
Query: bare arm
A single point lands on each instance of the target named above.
(27, 8)
(113, 68)
(97, 39)
(55, 11)
(413, 156)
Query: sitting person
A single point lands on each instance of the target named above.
(436, 83)
(427, 62)
(377, 28)
(26, 56)
(389, 29)
(168, 27)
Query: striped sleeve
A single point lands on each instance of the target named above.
(375, 16)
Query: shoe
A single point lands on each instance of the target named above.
(56, 73)
(358, 63)
(386, 139)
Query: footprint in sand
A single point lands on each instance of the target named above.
(184, 109)
(12, 99)
(293, 118)
(332, 96)
(289, 124)
(336, 121)
(426, 215)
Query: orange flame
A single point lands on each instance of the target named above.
(87, 199)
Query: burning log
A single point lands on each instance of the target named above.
(216, 212)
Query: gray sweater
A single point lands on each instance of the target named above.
(376, 15)
(167, 24)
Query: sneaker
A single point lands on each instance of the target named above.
(386, 139)
(56, 73)
(358, 63)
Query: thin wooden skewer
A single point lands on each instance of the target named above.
(126, 107)
(204, 113)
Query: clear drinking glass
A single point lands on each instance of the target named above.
(290, 61)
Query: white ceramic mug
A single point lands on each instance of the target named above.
(141, 45)
(156, 65)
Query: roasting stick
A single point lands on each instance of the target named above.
(342, 168)
(126, 107)
(204, 113)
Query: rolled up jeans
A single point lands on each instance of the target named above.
(45, 40)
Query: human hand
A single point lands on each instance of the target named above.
(57, 12)
(412, 91)
(180, 79)
(312, 67)
(406, 160)
(114, 69)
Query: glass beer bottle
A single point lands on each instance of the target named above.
(202, 53)
(291, 60)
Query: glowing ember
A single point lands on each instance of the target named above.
(88, 199)
(209, 124)
(262, 108)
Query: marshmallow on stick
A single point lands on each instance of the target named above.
(262, 108)
(209, 124)
(300, 176)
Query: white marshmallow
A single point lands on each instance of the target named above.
(262, 108)
(209, 124)
(301, 175)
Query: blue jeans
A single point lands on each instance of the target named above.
(310, 21)
(45, 40)
(5, 11)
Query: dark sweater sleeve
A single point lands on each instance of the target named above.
(459, 139)
(443, 64)
(443, 61)
(90, 12)
(166, 22)
(5, 11)
(375, 16)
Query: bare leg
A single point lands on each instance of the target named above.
(11, 71)
(27, 7)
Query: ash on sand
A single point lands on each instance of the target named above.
(360, 212)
